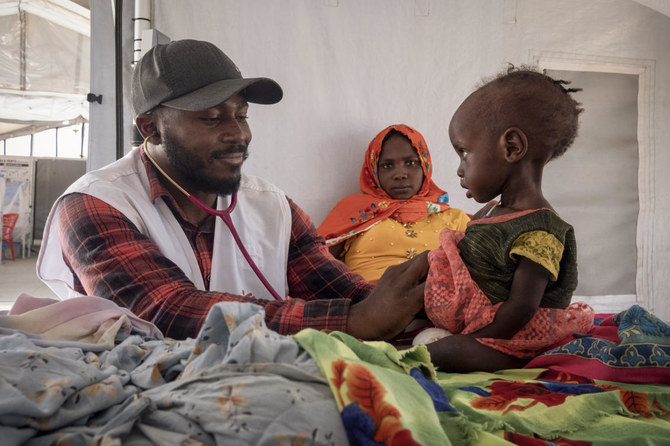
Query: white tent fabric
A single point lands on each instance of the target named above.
(44, 65)
(662, 6)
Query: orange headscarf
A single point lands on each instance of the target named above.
(358, 212)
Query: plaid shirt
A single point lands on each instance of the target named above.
(110, 258)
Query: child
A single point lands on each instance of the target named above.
(504, 286)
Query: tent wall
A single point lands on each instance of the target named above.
(581, 183)
(351, 67)
(52, 177)
(102, 125)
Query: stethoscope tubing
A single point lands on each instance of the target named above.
(224, 215)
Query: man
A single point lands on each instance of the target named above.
(131, 232)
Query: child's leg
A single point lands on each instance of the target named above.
(462, 353)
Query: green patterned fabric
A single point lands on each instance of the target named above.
(381, 392)
(485, 251)
(537, 403)
(386, 396)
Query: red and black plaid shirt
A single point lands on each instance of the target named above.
(110, 258)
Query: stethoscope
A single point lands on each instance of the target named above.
(225, 217)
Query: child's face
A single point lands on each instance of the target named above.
(483, 169)
(399, 168)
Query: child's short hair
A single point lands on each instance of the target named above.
(538, 104)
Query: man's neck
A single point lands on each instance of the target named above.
(190, 209)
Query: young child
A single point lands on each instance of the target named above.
(504, 286)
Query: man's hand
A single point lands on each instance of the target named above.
(392, 304)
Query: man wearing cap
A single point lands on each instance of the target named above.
(131, 231)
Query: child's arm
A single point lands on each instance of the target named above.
(462, 353)
(528, 286)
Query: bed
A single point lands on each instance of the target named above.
(84, 371)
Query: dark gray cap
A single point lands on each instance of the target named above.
(194, 75)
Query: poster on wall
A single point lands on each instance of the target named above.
(19, 172)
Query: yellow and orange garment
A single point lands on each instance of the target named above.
(358, 213)
(390, 242)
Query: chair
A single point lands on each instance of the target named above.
(8, 223)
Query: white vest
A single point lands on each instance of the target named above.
(262, 218)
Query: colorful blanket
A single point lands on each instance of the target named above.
(386, 396)
(631, 346)
(241, 383)
(540, 407)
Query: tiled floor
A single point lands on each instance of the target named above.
(18, 277)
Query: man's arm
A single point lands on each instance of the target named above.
(111, 258)
(338, 299)
(321, 287)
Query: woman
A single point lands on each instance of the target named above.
(400, 211)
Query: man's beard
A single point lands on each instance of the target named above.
(191, 169)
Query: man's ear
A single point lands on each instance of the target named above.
(147, 127)
(515, 144)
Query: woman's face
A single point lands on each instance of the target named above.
(399, 168)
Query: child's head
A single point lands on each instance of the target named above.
(519, 117)
(539, 105)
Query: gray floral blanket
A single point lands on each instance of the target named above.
(238, 383)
